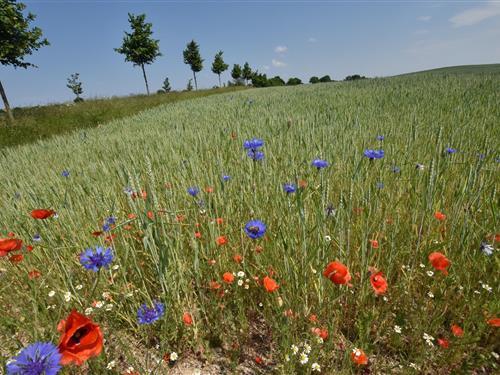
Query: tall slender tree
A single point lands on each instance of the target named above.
(246, 73)
(138, 46)
(17, 40)
(75, 85)
(236, 72)
(193, 58)
(219, 66)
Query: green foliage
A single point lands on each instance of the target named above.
(193, 58)
(138, 46)
(325, 79)
(259, 80)
(17, 39)
(189, 86)
(354, 77)
(246, 73)
(219, 66)
(75, 85)
(294, 81)
(236, 72)
(276, 81)
(166, 85)
(314, 79)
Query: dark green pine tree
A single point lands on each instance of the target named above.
(236, 72)
(246, 73)
(193, 58)
(219, 66)
(17, 40)
(138, 46)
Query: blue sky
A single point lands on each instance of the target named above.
(286, 38)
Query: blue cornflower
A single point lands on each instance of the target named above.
(255, 155)
(318, 163)
(481, 156)
(486, 248)
(289, 188)
(148, 315)
(380, 137)
(111, 220)
(96, 260)
(226, 178)
(193, 191)
(128, 190)
(450, 150)
(37, 238)
(106, 227)
(380, 185)
(374, 154)
(253, 144)
(65, 173)
(255, 229)
(395, 169)
(40, 358)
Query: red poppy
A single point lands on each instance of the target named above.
(443, 343)
(337, 273)
(97, 233)
(9, 244)
(16, 258)
(457, 330)
(42, 214)
(359, 357)
(11, 234)
(374, 244)
(439, 262)
(209, 189)
(440, 216)
(313, 318)
(214, 285)
(238, 258)
(131, 216)
(80, 339)
(197, 234)
(29, 248)
(320, 332)
(302, 184)
(187, 318)
(180, 218)
(221, 240)
(494, 322)
(228, 277)
(270, 285)
(259, 360)
(379, 283)
(219, 221)
(34, 274)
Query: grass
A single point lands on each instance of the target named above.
(463, 69)
(36, 123)
(335, 215)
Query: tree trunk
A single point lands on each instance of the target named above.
(220, 85)
(10, 117)
(195, 83)
(145, 79)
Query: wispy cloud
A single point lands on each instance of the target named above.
(312, 40)
(278, 64)
(476, 15)
(424, 18)
(281, 49)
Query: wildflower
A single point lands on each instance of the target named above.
(494, 322)
(380, 185)
(241, 274)
(295, 349)
(450, 150)
(419, 167)
(109, 307)
(94, 261)
(487, 287)
(316, 367)
(42, 214)
(439, 216)
(320, 164)
(37, 238)
(253, 144)
(374, 244)
(193, 191)
(52, 293)
(380, 137)
(486, 248)
(374, 154)
(255, 229)
(255, 155)
(289, 188)
(430, 273)
(379, 283)
(395, 169)
(111, 365)
(328, 238)
(269, 284)
(337, 273)
(226, 178)
(221, 240)
(65, 173)
(89, 311)
(259, 360)
(34, 274)
(397, 329)
(439, 262)
(67, 296)
(174, 356)
(359, 357)
(303, 358)
(38, 358)
(457, 330)
(115, 267)
(147, 315)
(442, 342)
(430, 294)
(320, 332)
(228, 277)
(238, 258)
(80, 339)
(307, 348)
(9, 244)
(428, 339)
(187, 318)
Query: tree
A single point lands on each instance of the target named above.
(325, 79)
(294, 81)
(276, 81)
(246, 73)
(17, 40)
(236, 72)
(193, 58)
(259, 80)
(166, 85)
(219, 66)
(314, 79)
(75, 85)
(354, 77)
(189, 86)
(138, 46)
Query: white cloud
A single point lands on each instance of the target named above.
(424, 18)
(312, 40)
(281, 49)
(476, 15)
(278, 64)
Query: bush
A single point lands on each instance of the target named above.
(354, 77)
(294, 81)
(325, 79)
(276, 81)
(314, 79)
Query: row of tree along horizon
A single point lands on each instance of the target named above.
(138, 47)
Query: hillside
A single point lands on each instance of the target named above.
(463, 69)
